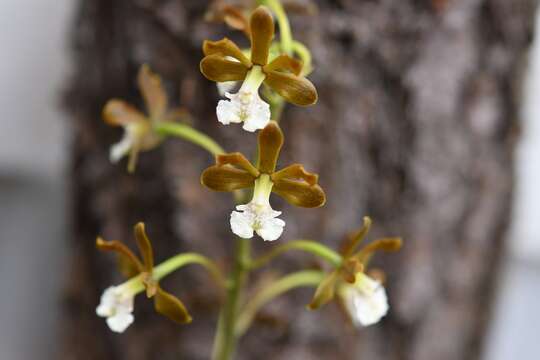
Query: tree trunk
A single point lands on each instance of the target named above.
(415, 126)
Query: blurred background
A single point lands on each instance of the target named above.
(40, 191)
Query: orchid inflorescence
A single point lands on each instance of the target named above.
(280, 68)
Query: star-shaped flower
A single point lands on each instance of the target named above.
(117, 301)
(233, 171)
(363, 297)
(224, 61)
(138, 127)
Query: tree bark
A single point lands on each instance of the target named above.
(415, 126)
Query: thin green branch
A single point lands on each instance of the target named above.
(178, 261)
(190, 134)
(309, 246)
(305, 55)
(283, 22)
(309, 278)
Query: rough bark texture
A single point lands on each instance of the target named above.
(415, 126)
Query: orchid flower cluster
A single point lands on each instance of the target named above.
(267, 74)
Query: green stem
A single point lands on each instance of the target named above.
(277, 108)
(225, 340)
(190, 134)
(283, 22)
(305, 55)
(309, 246)
(287, 46)
(176, 262)
(298, 279)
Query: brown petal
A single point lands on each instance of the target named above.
(325, 291)
(145, 247)
(152, 91)
(225, 47)
(295, 89)
(226, 178)
(119, 113)
(170, 306)
(270, 143)
(300, 193)
(354, 239)
(236, 19)
(262, 33)
(217, 68)
(284, 63)
(385, 244)
(128, 262)
(238, 160)
(295, 172)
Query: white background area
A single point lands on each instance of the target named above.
(33, 67)
(515, 332)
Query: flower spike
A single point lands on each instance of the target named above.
(363, 297)
(117, 301)
(224, 62)
(233, 171)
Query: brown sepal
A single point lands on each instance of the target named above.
(390, 244)
(238, 160)
(295, 89)
(262, 32)
(152, 91)
(145, 247)
(233, 16)
(236, 19)
(226, 178)
(354, 239)
(295, 172)
(119, 113)
(270, 143)
(225, 47)
(300, 193)
(170, 306)
(127, 256)
(284, 63)
(217, 68)
(325, 291)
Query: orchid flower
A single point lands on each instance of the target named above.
(224, 61)
(363, 296)
(138, 127)
(116, 304)
(233, 171)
